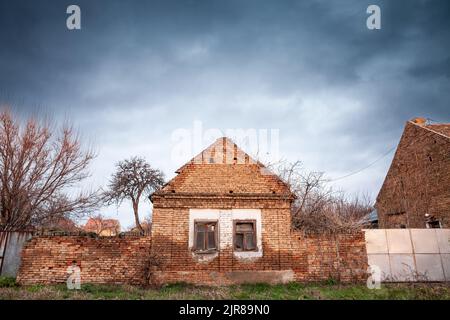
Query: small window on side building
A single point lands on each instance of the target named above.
(434, 224)
(245, 235)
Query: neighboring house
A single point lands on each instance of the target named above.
(103, 227)
(223, 211)
(416, 190)
(61, 224)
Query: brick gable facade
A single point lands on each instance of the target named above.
(224, 185)
(416, 189)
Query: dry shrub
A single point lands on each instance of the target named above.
(317, 208)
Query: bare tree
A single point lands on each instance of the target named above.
(38, 166)
(317, 207)
(133, 179)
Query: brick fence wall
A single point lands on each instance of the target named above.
(102, 260)
(124, 260)
(341, 257)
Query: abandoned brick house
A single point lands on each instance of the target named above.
(223, 219)
(416, 190)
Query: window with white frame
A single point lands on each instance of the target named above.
(245, 235)
(205, 236)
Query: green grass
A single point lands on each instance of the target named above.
(291, 291)
(7, 282)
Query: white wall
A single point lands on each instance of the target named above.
(410, 254)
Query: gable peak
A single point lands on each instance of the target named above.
(222, 151)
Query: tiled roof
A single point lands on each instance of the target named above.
(94, 223)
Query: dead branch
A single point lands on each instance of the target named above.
(38, 166)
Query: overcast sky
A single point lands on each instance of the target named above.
(137, 71)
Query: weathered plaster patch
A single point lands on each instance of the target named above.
(204, 257)
(225, 220)
(258, 276)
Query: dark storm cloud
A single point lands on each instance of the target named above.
(338, 92)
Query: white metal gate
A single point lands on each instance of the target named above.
(410, 254)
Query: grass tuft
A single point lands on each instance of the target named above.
(7, 282)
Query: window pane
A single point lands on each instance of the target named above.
(249, 241)
(211, 227)
(244, 227)
(211, 240)
(200, 241)
(239, 241)
(201, 227)
(434, 224)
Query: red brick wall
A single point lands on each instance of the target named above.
(223, 178)
(418, 181)
(308, 258)
(124, 260)
(223, 185)
(170, 233)
(341, 257)
(102, 260)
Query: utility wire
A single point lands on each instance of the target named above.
(366, 167)
(434, 121)
(374, 162)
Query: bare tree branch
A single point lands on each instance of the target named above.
(38, 166)
(133, 179)
(317, 208)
